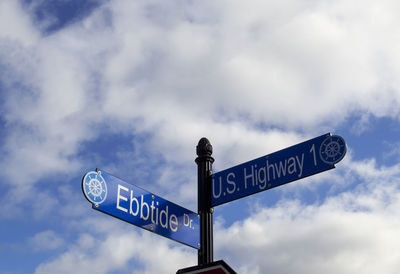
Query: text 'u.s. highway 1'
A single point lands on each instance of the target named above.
(278, 168)
(134, 205)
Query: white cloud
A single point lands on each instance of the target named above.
(15, 24)
(253, 77)
(179, 74)
(46, 240)
(50, 104)
(111, 246)
(303, 73)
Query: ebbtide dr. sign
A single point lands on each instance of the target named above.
(134, 205)
(278, 168)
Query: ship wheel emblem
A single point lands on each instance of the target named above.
(94, 187)
(332, 149)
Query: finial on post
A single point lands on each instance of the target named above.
(204, 150)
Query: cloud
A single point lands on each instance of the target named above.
(49, 104)
(179, 74)
(250, 70)
(253, 77)
(110, 247)
(46, 240)
(15, 24)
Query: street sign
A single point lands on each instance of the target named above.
(278, 168)
(218, 267)
(139, 207)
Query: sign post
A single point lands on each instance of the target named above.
(135, 205)
(204, 170)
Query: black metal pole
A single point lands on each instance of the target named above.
(204, 170)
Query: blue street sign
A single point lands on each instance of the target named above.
(134, 205)
(278, 168)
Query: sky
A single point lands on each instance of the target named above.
(130, 87)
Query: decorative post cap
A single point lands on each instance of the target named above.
(204, 150)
